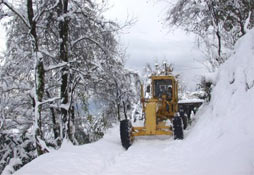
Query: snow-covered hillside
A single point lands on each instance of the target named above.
(221, 142)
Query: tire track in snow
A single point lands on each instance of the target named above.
(150, 155)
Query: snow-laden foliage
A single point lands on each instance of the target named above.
(58, 54)
(15, 151)
(218, 24)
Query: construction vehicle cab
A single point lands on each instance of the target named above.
(165, 94)
(160, 111)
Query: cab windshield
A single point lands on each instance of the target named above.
(163, 87)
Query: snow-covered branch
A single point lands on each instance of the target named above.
(47, 54)
(84, 74)
(105, 50)
(38, 15)
(60, 65)
(17, 13)
(49, 100)
(247, 22)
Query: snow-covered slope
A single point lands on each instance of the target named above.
(77, 160)
(221, 142)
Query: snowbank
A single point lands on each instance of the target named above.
(89, 159)
(220, 143)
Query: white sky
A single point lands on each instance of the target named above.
(149, 39)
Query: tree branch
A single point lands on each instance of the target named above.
(17, 13)
(49, 100)
(106, 51)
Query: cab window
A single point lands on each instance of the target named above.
(163, 87)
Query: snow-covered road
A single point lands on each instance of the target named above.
(148, 155)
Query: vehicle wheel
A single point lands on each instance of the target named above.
(178, 128)
(125, 133)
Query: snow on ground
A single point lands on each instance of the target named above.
(79, 160)
(220, 143)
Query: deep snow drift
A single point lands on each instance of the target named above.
(221, 142)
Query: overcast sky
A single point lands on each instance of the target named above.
(149, 40)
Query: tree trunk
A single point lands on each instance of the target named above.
(38, 83)
(55, 124)
(215, 17)
(63, 34)
(219, 58)
(124, 110)
(118, 112)
(70, 129)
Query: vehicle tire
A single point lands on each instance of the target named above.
(125, 133)
(178, 128)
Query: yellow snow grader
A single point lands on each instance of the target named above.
(160, 112)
